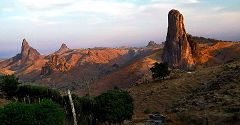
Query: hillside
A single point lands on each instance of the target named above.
(128, 75)
(80, 69)
(186, 97)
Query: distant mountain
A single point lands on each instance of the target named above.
(94, 70)
(152, 44)
(77, 69)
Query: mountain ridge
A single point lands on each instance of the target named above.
(98, 69)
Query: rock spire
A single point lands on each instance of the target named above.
(177, 50)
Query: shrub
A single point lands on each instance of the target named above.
(38, 92)
(44, 113)
(114, 106)
(147, 111)
(9, 85)
(85, 107)
(159, 71)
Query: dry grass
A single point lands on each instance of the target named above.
(162, 95)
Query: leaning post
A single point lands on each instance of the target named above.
(73, 109)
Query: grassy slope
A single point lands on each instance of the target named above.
(176, 96)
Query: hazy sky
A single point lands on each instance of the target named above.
(89, 23)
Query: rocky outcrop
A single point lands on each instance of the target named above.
(62, 49)
(55, 63)
(28, 53)
(152, 44)
(27, 57)
(177, 49)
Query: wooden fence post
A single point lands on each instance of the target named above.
(72, 106)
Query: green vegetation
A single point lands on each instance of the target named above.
(35, 93)
(159, 71)
(114, 106)
(45, 113)
(34, 106)
(147, 111)
(9, 85)
(85, 108)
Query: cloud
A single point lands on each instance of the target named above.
(8, 9)
(110, 20)
(218, 8)
(189, 1)
(93, 11)
(44, 4)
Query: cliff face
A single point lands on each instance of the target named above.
(55, 64)
(177, 50)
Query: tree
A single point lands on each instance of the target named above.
(9, 85)
(85, 107)
(38, 92)
(159, 71)
(114, 106)
(45, 113)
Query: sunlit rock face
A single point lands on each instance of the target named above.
(55, 63)
(28, 53)
(177, 50)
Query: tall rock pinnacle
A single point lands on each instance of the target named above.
(25, 49)
(28, 53)
(177, 50)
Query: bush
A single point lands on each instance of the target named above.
(44, 113)
(159, 71)
(147, 111)
(85, 107)
(38, 92)
(9, 85)
(114, 106)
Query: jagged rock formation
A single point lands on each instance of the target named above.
(177, 49)
(55, 63)
(28, 53)
(62, 49)
(152, 44)
(27, 56)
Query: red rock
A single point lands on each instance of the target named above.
(28, 53)
(177, 50)
(62, 49)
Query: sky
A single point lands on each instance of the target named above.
(46, 24)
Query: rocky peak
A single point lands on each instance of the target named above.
(64, 46)
(177, 50)
(152, 44)
(28, 53)
(25, 49)
(63, 49)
